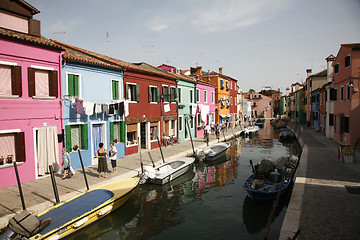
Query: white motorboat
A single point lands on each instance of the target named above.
(214, 151)
(166, 172)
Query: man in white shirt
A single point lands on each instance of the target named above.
(112, 156)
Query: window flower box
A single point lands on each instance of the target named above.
(9, 158)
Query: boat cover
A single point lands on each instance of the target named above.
(75, 208)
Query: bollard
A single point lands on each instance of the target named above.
(82, 165)
(19, 186)
(54, 184)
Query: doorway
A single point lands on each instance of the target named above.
(143, 135)
(97, 136)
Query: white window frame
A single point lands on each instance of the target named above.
(205, 96)
(129, 100)
(111, 93)
(152, 86)
(192, 96)
(181, 120)
(162, 93)
(212, 97)
(179, 95)
(8, 64)
(196, 100)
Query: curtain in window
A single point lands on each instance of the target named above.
(7, 145)
(96, 134)
(5, 80)
(47, 149)
(42, 83)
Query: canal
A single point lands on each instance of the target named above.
(206, 203)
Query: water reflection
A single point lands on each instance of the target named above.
(209, 200)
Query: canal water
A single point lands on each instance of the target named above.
(206, 203)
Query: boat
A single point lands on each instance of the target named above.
(269, 178)
(286, 134)
(166, 172)
(259, 123)
(75, 213)
(250, 131)
(213, 152)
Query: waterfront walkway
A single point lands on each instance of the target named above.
(39, 194)
(321, 205)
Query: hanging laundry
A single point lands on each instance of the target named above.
(167, 108)
(204, 112)
(126, 108)
(89, 108)
(78, 106)
(98, 108)
(111, 109)
(193, 109)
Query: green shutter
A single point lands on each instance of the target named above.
(117, 97)
(70, 84)
(138, 93)
(76, 85)
(126, 91)
(122, 131)
(150, 94)
(176, 95)
(113, 88)
(111, 131)
(68, 138)
(84, 136)
(157, 94)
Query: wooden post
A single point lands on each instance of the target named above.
(162, 156)
(141, 162)
(82, 166)
(192, 144)
(56, 193)
(19, 186)
(151, 158)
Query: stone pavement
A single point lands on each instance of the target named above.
(321, 206)
(39, 194)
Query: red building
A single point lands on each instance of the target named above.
(347, 96)
(233, 100)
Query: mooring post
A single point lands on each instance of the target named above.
(19, 186)
(82, 166)
(141, 162)
(162, 156)
(192, 144)
(56, 193)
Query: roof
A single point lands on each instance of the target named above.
(322, 73)
(351, 45)
(23, 37)
(223, 76)
(20, 7)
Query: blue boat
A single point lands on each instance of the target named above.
(269, 178)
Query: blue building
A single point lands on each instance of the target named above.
(93, 107)
(315, 109)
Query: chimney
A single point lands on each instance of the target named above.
(330, 60)
(287, 91)
(198, 71)
(308, 72)
(220, 70)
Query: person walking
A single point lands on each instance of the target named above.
(112, 156)
(217, 130)
(66, 162)
(207, 130)
(101, 156)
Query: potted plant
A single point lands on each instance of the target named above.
(115, 140)
(75, 147)
(2, 160)
(9, 158)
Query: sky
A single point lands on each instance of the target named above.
(261, 43)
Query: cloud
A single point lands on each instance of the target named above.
(222, 16)
(158, 26)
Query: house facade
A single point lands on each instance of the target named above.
(93, 105)
(346, 88)
(329, 120)
(315, 110)
(31, 113)
(233, 101)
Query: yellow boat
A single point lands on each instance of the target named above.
(83, 209)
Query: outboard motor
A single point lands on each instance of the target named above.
(200, 154)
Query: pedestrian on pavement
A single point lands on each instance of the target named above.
(101, 156)
(66, 163)
(217, 130)
(112, 156)
(207, 130)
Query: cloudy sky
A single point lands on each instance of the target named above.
(259, 42)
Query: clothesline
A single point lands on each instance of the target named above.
(110, 109)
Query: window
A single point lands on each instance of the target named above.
(197, 95)
(115, 89)
(8, 141)
(221, 83)
(212, 97)
(42, 82)
(166, 94)
(179, 95)
(154, 130)
(73, 85)
(117, 131)
(198, 119)
(346, 124)
(347, 61)
(191, 96)
(10, 79)
(331, 119)
(205, 96)
(131, 134)
(336, 68)
(154, 94)
(230, 85)
(132, 92)
(342, 93)
(227, 85)
(222, 104)
(181, 127)
(231, 101)
(76, 137)
(348, 92)
(172, 128)
(333, 94)
(173, 94)
(213, 117)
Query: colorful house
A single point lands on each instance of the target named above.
(315, 109)
(30, 92)
(93, 105)
(329, 89)
(233, 101)
(347, 103)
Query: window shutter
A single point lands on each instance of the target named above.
(68, 138)
(31, 82)
(163, 93)
(150, 94)
(20, 147)
(138, 93)
(84, 136)
(113, 89)
(16, 84)
(53, 84)
(176, 95)
(126, 91)
(70, 85)
(157, 94)
(76, 86)
(111, 131)
(122, 131)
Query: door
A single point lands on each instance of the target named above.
(96, 136)
(143, 135)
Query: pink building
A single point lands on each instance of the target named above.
(205, 113)
(30, 113)
(261, 105)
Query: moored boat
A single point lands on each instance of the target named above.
(215, 151)
(168, 171)
(250, 131)
(286, 134)
(85, 208)
(269, 178)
